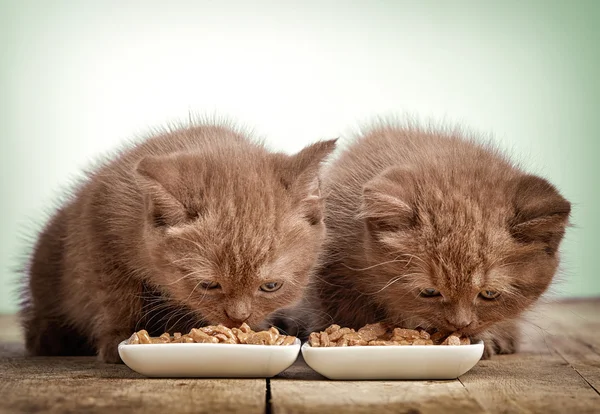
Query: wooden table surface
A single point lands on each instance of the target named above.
(558, 371)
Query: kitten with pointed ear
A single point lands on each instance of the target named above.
(192, 227)
(435, 231)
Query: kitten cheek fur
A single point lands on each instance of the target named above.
(409, 209)
(129, 249)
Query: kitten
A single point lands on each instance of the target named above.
(432, 230)
(196, 226)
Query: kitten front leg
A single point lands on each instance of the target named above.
(116, 323)
(108, 347)
(502, 338)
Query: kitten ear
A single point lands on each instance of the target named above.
(159, 179)
(301, 177)
(387, 201)
(541, 213)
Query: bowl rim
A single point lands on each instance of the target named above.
(297, 343)
(306, 345)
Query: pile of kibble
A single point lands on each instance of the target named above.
(216, 335)
(378, 334)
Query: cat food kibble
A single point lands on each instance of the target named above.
(378, 334)
(216, 335)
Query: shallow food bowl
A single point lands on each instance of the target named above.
(406, 362)
(209, 360)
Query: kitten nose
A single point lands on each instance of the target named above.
(459, 323)
(238, 316)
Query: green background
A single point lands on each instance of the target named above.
(77, 78)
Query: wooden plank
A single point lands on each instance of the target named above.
(299, 389)
(572, 329)
(539, 379)
(82, 384)
(109, 395)
(581, 357)
(354, 397)
(530, 383)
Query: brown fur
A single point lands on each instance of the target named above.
(145, 229)
(409, 209)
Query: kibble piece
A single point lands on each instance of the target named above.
(424, 334)
(186, 339)
(245, 328)
(165, 338)
(144, 337)
(177, 335)
(335, 336)
(227, 332)
(261, 338)
(134, 339)
(325, 341)
(314, 339)
(202, 337)
(465, 340)
(355, 339)
(399, 334)
(222, 338)
(372, 331)
(288, 340)
(333, 328)
(342, 342)
(160, 340)
(209, 330)
(452, 340)
(243, 337)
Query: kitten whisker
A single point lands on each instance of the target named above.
(395, 260)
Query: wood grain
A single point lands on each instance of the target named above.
(109, 395)
(530, 383)
(572, 330)
(354, 397)
(554, 371)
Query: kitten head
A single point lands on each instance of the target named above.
(234, 231)
(459, 254)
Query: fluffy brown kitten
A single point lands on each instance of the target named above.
(197, 226)
(432, 230)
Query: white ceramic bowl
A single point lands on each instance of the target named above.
(410, 362)
(209, 360)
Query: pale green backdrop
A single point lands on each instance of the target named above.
(78, 77)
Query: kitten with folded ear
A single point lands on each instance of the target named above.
(192, 227)
(433, 230)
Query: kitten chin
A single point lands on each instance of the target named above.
(435, 230)
(197, 226)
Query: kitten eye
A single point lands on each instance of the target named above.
(430, 293)
(489, 294)
(208, 285)
(270, 286)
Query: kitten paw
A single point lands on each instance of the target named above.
(108, 351)
(499, 345)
